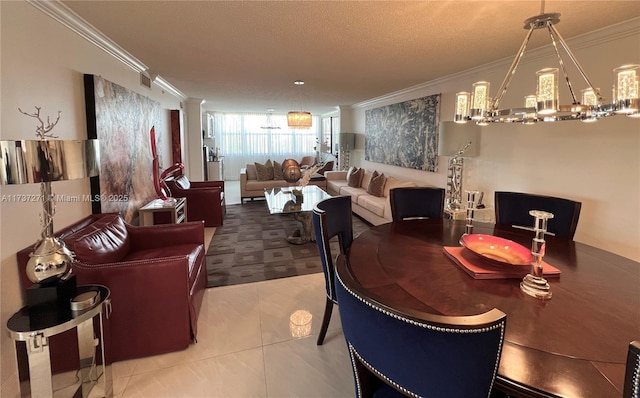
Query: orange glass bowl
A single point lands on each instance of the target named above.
(497, 250)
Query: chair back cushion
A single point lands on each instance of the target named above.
(416, 202)
(308, 161)
(104, 241)
(332, 217)
(418, 353)
(512, 208)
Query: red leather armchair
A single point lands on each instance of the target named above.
(156, 275)
(205, 199)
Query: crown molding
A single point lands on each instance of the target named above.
(67, 17)
(604, 35)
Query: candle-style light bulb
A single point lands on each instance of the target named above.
(625, 89)
(547, 91)
(480, 100)
(462, 107)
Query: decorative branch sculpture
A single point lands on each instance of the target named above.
(307, 176)
(42, 131)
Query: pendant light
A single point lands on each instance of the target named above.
(299, 119)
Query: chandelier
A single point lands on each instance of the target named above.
(544, 106)
(270, 124)
(299, 119)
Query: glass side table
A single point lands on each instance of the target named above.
(31, 328)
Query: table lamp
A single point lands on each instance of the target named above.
(45, 161)
(457, 141)
(347, 143)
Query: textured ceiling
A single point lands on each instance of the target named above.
(245, 55)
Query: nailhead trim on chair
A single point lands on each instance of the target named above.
(353, 366)
(396, 385)
(500, 325)
(635, 380)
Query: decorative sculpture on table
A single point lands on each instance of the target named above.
(534, 284)
(46, 160)
(291, 171)
(158, 183)
(472, 201)
(454, 180)
(304, 181)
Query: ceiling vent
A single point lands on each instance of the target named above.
(145, 79)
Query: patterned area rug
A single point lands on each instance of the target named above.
(251, 246)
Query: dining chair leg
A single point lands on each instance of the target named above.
(328, 309)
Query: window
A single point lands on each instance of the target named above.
(241, 140)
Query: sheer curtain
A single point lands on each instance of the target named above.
(242, 140)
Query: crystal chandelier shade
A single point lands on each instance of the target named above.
(299, 119)
(544, 106)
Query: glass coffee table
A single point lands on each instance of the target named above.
(285, 200)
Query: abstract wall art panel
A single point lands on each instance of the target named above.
(121, 119)
(404, 134)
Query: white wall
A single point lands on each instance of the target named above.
(596, 164)
(43, 64)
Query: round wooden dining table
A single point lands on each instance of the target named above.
(572, 345)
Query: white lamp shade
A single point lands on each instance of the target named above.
(347, 141)
(33, 161)
(452, 137)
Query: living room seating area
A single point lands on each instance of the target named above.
(369, 201)
(254, 178)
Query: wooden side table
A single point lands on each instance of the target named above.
(158, 211)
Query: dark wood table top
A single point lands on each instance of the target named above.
(573, 345)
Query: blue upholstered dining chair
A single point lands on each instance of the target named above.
(331, 217)
(512, 208)
(416, 202)
(632, 375)
(398, 352)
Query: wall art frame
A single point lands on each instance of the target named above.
(404, 134)
(121, 120)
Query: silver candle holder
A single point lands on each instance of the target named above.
(534, 284)
(472, 200)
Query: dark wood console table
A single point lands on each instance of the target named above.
(573, 345)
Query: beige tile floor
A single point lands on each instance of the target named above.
(246, 348)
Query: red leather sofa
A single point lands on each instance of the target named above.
(156, 276)
(205, 199)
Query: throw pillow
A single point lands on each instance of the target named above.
(265, 171)
(277, 171)
(252, 174)
(366, 178)
(376, 185)
(355, 179)
(350, 171)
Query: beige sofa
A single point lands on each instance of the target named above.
(251, 187)
(374, 209)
